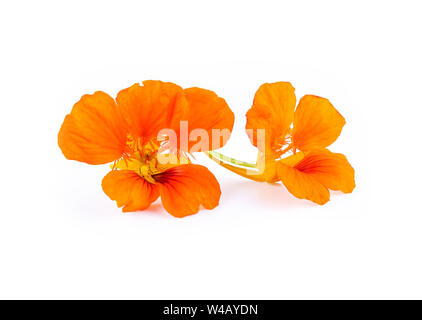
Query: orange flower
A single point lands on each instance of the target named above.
(128, 132)
(313, 126)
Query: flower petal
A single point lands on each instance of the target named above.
(272, 110)
(301, 185)
(312, 176)
(317, 124)
(330, 169)
(209, 113)
(184, 188)
(129, 190)
(94, 131)
(152, 107)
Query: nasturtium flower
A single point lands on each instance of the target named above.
(293, 145)
(130, 132)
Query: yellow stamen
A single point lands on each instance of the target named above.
(146, 173)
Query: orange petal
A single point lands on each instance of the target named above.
(317, 124)
(94, 131)
(152, 107)
(301, 185)
(272, 110)
(331, 169)
(293, 159)
(208, 113)
(184, 188)
(129, 190)
(318, 171)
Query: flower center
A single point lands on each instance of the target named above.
(147, 160)
(140, 158)
(147, 169)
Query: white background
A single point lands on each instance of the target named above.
(62, 237)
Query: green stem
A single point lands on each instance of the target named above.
(239, 167)
(218, 156)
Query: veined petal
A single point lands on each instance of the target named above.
(330, 169)
(272, 110)
(129, 190)
(318, 171)
(94, 131)
(301, 185)
(152, 107)
(210, 114)
(317, 124)
(184, 188)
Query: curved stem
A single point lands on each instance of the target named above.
(222, 157)
(247, 170)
